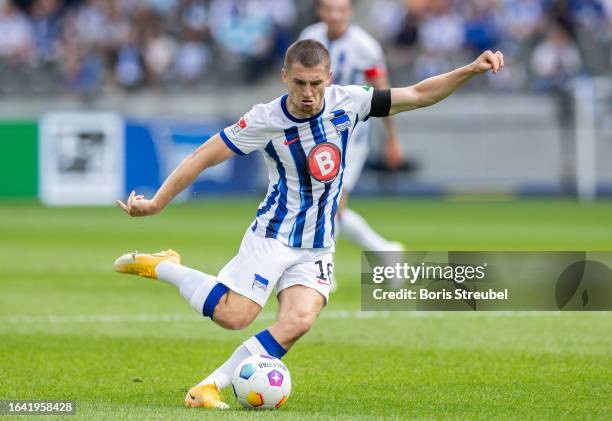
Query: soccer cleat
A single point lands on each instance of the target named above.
(205, 396)
(144, 264)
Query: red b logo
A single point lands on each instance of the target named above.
(324, 162)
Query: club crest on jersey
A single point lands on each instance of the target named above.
(342, 123)
(324, 162)
(260, 282)
(237, 128)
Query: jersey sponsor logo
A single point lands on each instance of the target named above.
(290, 141)
(324, 162)
(237, 128)
(260, 282)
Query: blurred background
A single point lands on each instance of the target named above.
(99, 97)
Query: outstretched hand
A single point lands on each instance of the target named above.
(137, 205)
(489, 61)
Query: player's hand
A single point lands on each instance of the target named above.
(393, 153)
(137, 205)
(489, 61)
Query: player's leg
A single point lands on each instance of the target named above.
(302, 292)
(358, 231)
(298, 310)
(204, 292)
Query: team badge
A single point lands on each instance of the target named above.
(341, 123)
(324, 162)
(260, 282)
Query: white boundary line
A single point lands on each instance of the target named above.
(329, 315)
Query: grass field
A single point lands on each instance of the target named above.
(126, 347)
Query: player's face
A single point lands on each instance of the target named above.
(306, 87)
(337, 16)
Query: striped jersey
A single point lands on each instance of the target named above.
(355, 57)
(298, 209)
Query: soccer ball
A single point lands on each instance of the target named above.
(261, 382)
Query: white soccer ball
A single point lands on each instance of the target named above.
(261, 382)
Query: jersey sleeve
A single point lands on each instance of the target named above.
(361, 98)
(249, 133)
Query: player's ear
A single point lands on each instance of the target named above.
(284, 74)
(329, 79)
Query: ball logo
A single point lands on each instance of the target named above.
(324, 162)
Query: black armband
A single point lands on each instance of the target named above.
(381, 103)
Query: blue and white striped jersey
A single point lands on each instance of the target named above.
(298, 209)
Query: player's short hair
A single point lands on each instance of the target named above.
(307, 52)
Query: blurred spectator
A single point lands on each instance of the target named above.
(521, 20)
(159, 54)
(386, 19)
(481, 32)
(441, 38)
(555, 60)
(47, 30)
(133, 44)
(442, 29)
(16, 37)
(195, 17)
(244, 30)
(191, 59)
(128, 70)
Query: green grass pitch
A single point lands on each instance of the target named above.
(128, 348)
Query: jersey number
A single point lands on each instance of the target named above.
(330, 271)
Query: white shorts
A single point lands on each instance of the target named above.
(263, 264)
(356, 157)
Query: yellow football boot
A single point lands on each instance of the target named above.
(144, 264)
(205, 396)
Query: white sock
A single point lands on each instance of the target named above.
(201, 290)
(358, 231)
(262, 343)
(222, 376)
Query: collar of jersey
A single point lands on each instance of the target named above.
(299, 120)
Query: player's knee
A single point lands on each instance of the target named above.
(297, 325)
(233, 320)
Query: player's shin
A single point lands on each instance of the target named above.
(201, 290)
(261, 344)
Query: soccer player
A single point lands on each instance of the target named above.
(303, 136)
(356, 59)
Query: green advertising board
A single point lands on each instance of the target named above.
(18, 159)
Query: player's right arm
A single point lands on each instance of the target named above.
(247, 135)
(212, 152)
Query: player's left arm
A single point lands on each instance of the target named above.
(436, 88)
(393, 150)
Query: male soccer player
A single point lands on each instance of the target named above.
(356, 59)
(303, 137)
